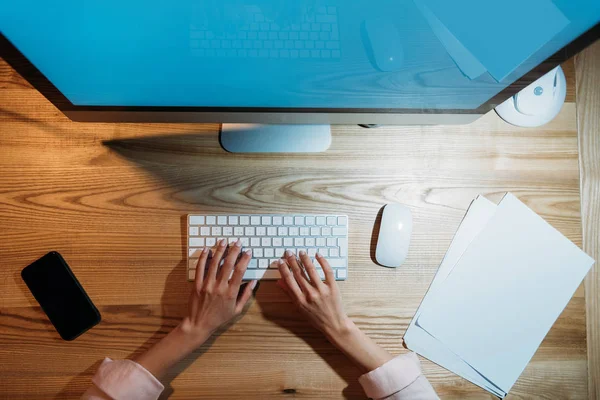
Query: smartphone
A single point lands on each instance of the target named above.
(60, 295)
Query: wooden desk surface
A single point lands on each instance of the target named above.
(112, 199)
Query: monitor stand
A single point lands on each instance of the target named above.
(258, 138)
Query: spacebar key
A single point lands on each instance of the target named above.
(261, 274)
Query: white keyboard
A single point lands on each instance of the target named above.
(269, 236)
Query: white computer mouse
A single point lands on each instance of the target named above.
(394, 235)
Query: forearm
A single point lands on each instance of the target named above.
(361, 349)
(170, 350)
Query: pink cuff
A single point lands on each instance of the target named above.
(126, 379)
(391, 377)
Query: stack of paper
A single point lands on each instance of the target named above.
(505, 279)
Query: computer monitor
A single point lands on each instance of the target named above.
(290, 62)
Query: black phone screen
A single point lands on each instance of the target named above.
(60, 295)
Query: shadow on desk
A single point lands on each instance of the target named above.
(287, 316)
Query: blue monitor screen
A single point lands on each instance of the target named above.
(411, 54)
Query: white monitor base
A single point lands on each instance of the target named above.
(538, 103)
(257, 138)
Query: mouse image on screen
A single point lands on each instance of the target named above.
(385, 45)
(394, 235)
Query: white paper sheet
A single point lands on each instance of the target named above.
(505, 292)
(421, 342)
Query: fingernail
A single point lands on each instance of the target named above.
(204, 250)
(253, 284)
(319, 255)
(280, 262)
(222, 243)
(288, 253)
(249, 252)
(238, 243)
(302, 253)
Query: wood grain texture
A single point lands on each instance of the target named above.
(112, 199)
(588, 117)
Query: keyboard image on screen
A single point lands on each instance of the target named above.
(269, 236)
(315, 36)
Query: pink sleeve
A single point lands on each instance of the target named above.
(123, 379)
(398, 379)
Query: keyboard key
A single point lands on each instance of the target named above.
(233, 220)
(341, 231)
(245, 242)
(321, 221)
(342, 273)
(269, 252)
(304, 231)
(266, 220)
(288, 221)
(320, 242)
(194, 231)
(205, 231)
(343, 245)
(273, 263)
(249, 231)
(244, 220)
(265, 242)
(277, 242)
(279, 252)
(210, 242)
(337, 262)
(294, 231)
(331, 220)
(255, 220)
(343, 221)
(288, 242)
(253, 264)
(254, 242)
(221, 220)
(194, 252)
(324, 251)
(310, 220)
(331, 242)
(309, 241)
(271, 231)
(227, 231)
(326, 231)
(299, 242)
(232, 240)
(211, 220)
(314, 231)
(277, 220)
(263, 263)
(312, 252)
(298, 220)
(196, 242)
(262, 274)
(197, 220)
(334, 252)
(238, 231)
(261, 231)
(216, 231)
(258, 253)
(282, 231)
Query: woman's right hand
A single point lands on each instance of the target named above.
(320, 302)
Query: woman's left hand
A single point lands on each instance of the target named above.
(214, 300)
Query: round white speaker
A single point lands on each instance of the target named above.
(538, 103)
